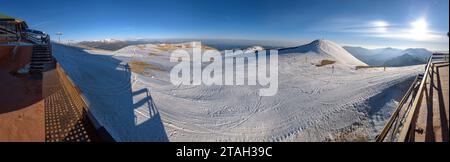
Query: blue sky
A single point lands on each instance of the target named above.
(368, 23)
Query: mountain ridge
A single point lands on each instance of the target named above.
(326, 47)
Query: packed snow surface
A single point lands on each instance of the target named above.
(326, 103)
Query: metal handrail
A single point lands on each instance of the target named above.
(37, 38)
(410, 111)
(395, 115)
(406, 130)
(9, 34)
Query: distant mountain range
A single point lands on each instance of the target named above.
(390, 56)
(107, 44)
(358, 55)
(219, 44)
(404, 60)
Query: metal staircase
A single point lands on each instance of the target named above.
(42, 56)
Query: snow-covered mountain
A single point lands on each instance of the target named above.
(421, 53)
(326, 48)
(387, 56)
(254, 49)
(405, 60)
(359, 51)
(105, 44)
(387, 53)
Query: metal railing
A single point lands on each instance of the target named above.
(8, 35)
(404, 123)
(42, 39)
(395, 121)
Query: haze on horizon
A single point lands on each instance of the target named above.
(366, 23)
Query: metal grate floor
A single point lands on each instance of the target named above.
(64, 122)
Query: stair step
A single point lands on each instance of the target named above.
(43, 47)
(41, 55)
(41, 58)
(39, 62)
(41, 52)
(36, 68)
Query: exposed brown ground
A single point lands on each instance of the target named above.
(325, 62)
(168, 47)
(140, 67)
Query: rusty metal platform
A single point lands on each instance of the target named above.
(64, 121)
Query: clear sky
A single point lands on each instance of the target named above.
(368, 23)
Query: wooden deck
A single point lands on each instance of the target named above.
(433, 114)
(423, 113)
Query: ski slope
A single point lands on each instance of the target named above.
(327, 103)
(329, 49)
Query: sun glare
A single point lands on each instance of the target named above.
(380, 26)
(420, 26)
(419, 29)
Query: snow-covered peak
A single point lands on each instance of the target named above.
(254, 49)
(327, 47)
(417, 50)
(109, 40)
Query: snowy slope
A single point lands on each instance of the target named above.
(329, 48)
(312, 104)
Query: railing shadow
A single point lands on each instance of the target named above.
(442, 111)
(428, 92)
(146, 108)
(106, 83)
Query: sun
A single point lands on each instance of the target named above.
(419, 26)
(419, 30)
(380, 26)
